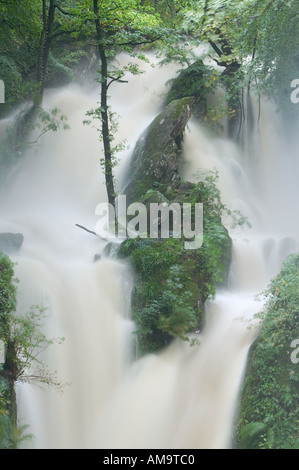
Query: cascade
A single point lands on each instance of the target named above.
(183, 397)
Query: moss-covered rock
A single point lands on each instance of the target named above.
(269, 409)
(172, 283)
(153, 196)
(156, 158)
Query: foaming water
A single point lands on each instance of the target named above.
(184, 397)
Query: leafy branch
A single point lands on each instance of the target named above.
(25, 343)
(49, 121)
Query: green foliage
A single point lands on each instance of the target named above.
(215, 253)
(33, 122)
(21, 334)
(177, 317)
(20, 28)
(95, 116)
(7, 295)
(124, 25)
(28, 343)
(207, 191)
(256, 41)
(191, 81)
(250, 431)
(12, 78)
(46, 121)
(260, 35)
(58, 74)
(160, 298)
(6, 432)
(11, 437)
(19, 22)
(273, 32)
(271, 389)
(7, 306)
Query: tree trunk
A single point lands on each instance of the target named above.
(234, 103)
(10, 374)
(104, 110)
(44, 47)
(39, 65)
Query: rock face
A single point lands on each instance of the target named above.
(10, 242)
(156, 158)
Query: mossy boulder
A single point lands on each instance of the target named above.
(172, 285)
(269, 407)
(156, 159)
(172, 282)
(165, 295)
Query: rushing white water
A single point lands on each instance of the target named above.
(184, 397)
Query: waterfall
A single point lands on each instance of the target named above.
(183, 397)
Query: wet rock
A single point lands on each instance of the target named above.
(10, 242)
(157, 155)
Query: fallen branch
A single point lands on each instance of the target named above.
(90, 231)
(86, 229)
